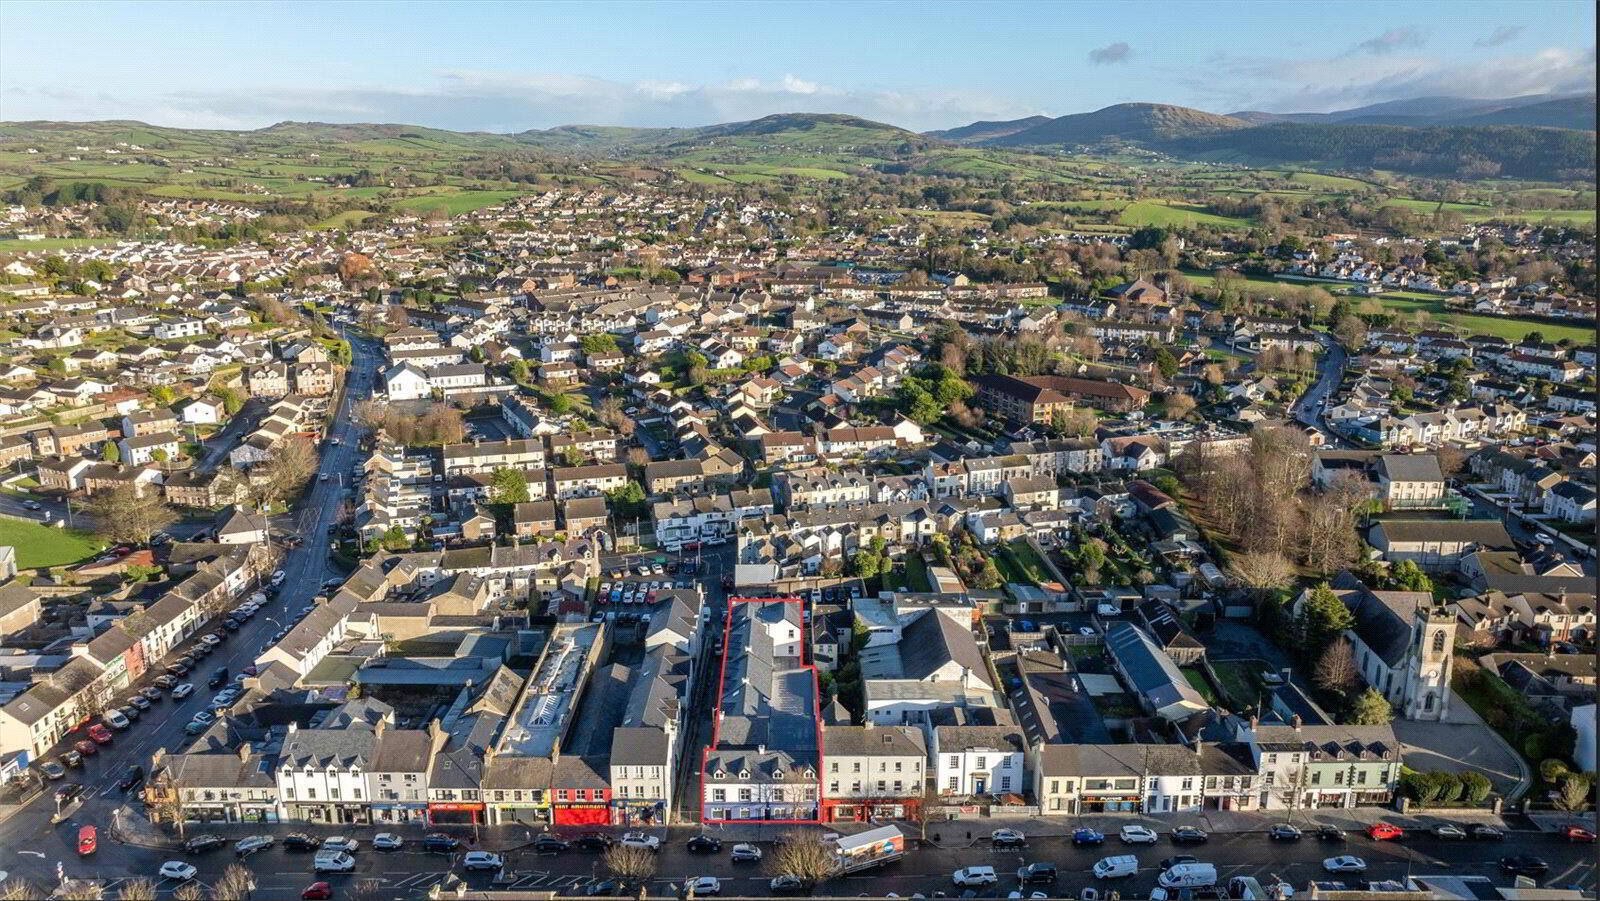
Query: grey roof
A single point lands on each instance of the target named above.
(1486, 533)
(873, 741)
(1410, 467)
(1151, 671)
(321, 748)
(932, 640)
(1118, 760)
(976, 738)
(1383, 619)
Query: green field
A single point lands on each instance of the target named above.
(40, 545)
(344, 219)
(455, 204)
(1154, 212)
(15, 246)
(1477, 324)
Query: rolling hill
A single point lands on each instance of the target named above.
(978, 132)
(1538, 110)
(1138, 123)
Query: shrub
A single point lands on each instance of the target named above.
(1475, 787)
(1449, 788)
(1551, 770)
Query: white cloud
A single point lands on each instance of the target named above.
(508, 102)
(1110, 53)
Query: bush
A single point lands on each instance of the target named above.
(1449, 788)
(1551, 770)
(1475, 787)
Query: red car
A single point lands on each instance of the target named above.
(100, 734)
(1575, 833)
(1382, 832)
(88, 841)
(318, 891)
(86, 748)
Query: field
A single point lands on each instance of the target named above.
(344, 219)
(1153, 212)
(1476, 324)
(15, 246)
(40, 545)
(454, 204)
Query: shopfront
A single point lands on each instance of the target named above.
(455, 813)
(535, 813)
(638, 813)
(586, 814)
(875, 811)
(1109, 804)
(399, 813)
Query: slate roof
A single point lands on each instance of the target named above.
(1153, 674)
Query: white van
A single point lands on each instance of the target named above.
(1189, 875)
(1116, 867)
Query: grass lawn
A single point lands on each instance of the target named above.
(456, 203)
(916, 573)
(1008, 566)
(1029, 561)
(40, 545)
(11, 245)
(1238, 682)
(344, 219)
(1197, 679)
(1151, 212)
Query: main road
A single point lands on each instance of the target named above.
(305, 566)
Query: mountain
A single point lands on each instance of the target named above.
(819, 132)
(1138, 123)
(1539, 110)
(978, 132)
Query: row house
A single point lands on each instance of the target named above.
(872, 773)
(487, 456)
(587, 481)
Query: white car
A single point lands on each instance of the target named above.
(387, 841)
(974, 876)
(182, 690)
(481, 860)
(705, 885)
(641, 840)
(332, 862)
(177, 869)
(340, 843)
(744, 852)
(278, 576)
(1138, 835)
(116, 720)
(1344, 864)
(1007, 837)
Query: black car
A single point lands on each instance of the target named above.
(299, 841)
(1330, 834)
(67, 792)
(549, 844)
(1485, 832)
(704, 844)
(788, 885)
(1189, 835)
(609, 888)
(1523, 865)
(438, 841)
(232, 625)
(1035, 873)
(218, 678)
(1176, 859)
(132, 777)
(203, 843)
(1283, 832)
(594, 842)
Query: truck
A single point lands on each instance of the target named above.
(865, 850)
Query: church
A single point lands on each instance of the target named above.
(1403, 644)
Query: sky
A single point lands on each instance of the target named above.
(505, 67)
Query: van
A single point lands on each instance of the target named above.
(1188, 875)
(1247, 888)
(1116, 867)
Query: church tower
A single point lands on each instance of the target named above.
(1427, 692)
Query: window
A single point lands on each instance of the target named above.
(1361, 777)
(882, 786)
(333, 794)
(1338, 778)
(955, 783)
(898, 785)
(833, 767)
(980, 762)
(955, 760)
(563, 795)
(855, 767)
(833, 787)
(1188, 784)
(719, 794)
(897, 766)
(1438, 642)
(744, 795)
(311, 794)
(1316, 778)
(1005, 783)
(355, 794)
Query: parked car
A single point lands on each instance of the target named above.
(1168, 863)
(784, 884)
(100, 734)
(1384, 832)
(641, 840)
(86, 748)
(704, 885)
(67, 792)
(745, 853)
(1189, 835)
(387, 841)
(166, 681)
(182, 690)
(1572, 832)
(151, 693)
(1088, 837)
(1328, 833)
(245, 847)
(438, 841)
(139, 702)
(1447, 830)
(71, 759)
(593, 842)
(317, 891)
(340, 843)
(115, 720)
(132, 777)
(1138, 835)
(1036, 873)
(974, 876)
(1284, 832)
(605, 888)
(1344, 864)
(1523, 865)
(1485, 832)
(703, 844)
(1008, 837)
(203, 843)
(549, 844)
(332, 862)
(481, 860)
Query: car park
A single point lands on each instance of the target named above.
(1138, 835)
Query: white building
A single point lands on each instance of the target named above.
(979, 760)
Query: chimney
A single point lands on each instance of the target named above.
(761, 749)
(1255, 723)
(244, 751)
(1295, 720)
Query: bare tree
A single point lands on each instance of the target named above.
(364, 890)
(1179, 405)
(18, 889)
(291, 464)
(235, 884)
(1336, 668)
(127, 513)
(802, 855)
(137, 890)
(80, 890)
(164, 800)
(189, 891)
(630, 864)
(1262, 572)
(443, 424)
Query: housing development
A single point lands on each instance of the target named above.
(543, 547)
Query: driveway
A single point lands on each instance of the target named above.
(1463, 742)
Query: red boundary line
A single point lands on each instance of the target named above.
(716, 719)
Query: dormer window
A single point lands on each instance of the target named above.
(744, 774)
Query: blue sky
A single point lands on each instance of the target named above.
(512, 66)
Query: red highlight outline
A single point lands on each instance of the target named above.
(716, 719)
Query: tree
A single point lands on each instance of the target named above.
(519, 371)
(1179, 405)
(1165, 362)
(231, 401)
(802, 855)
(1370, 709)
(1475, 787)
(1260, 571)
(600, 343)
(189, 891)
(1573, 795)
(19, 889)
(80, 890)
(1553, 769)
(165, 802)
(130, 513)
(137, 890)
(571, 456)
(364, 890)
(110, 452)
(628, 502)
(1077, 422)
(235, 884)
(1336, 668)
(989, 577)
(287, 468)
(1323, 618)
(1407, 576)
(508, 486)
(630, 864)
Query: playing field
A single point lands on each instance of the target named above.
(40, 545)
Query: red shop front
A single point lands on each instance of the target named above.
(582, 814)
(455, 813)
